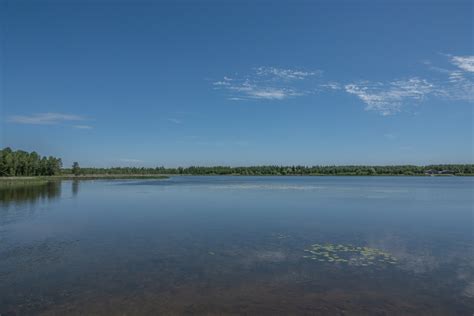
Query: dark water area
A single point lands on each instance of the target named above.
(239, 246)
(29, 193)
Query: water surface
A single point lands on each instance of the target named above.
(236, 245)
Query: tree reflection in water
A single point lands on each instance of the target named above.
(75, 187)
(31, 193)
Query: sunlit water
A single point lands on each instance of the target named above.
(236, 245)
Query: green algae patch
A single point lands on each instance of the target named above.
(349, 254)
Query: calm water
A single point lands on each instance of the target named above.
(235, 245)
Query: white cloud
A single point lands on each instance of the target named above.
(221, 83)
(461, 80)
(466, 63)
(457, 83)
(247, 90)
(224, 82)
(331, 85)
(456, 76)
(266, 83)
(44, 118)
(269, 93)
(286, 74)
(458, 87)
(389, 98)
(82, 126)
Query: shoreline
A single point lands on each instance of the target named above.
(33, 180)
(19, 182)
(167, 176)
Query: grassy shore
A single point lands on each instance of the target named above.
(9, 182)
(22, 181)
(109, 177)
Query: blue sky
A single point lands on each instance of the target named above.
(111, 83)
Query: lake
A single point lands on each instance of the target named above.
(239, 245)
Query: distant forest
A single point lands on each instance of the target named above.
(464, 169)
(22, 163)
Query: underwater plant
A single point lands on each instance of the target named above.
(348, 254)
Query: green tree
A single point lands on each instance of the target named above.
(76, 170)
(371, 171)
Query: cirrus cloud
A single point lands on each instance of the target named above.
(388, 98)
(466, 63)
(266, 83)
(49, 118)
(82, 126)
(453, 83)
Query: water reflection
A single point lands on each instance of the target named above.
(229, 245)
(75, 187)
(30, 193)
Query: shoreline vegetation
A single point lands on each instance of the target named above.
(275, 170)
(21, 168)
(40, 180)
(432, 170)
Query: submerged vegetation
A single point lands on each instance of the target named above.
(349, 254)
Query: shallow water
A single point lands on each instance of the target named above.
(236, 245)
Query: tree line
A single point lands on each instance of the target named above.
(22, 163)
(356, 170)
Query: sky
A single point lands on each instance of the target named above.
(179, 83)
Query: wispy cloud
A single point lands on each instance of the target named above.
(453, 82)
(248, 90)
(82, 126)
(457, 81)
(44, 118)
(266, 83)
(449, 83)
(388, 98)
(285, 74)
(331, 85)
(461, 80)
(466, 63)
(174, 120)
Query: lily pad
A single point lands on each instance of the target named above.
(349, 254)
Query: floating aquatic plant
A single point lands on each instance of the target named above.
(348, 254)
